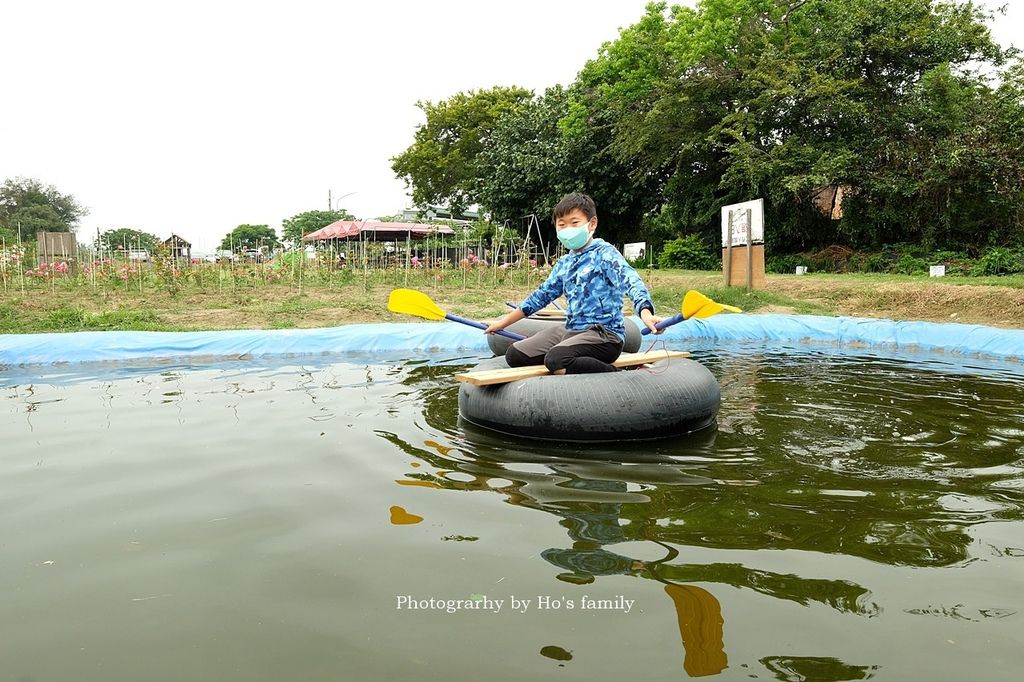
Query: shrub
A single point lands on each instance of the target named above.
(784, 264)
(876, 262)
(999, 261)
(956, 262)
(689, 253)
(909, 265)
(831, 259)
(642, 263)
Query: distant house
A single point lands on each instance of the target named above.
(465, 218)
(179, 247)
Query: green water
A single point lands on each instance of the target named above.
(850, 518)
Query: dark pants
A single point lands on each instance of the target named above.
(577, 352)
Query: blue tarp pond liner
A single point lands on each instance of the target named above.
(131, 347)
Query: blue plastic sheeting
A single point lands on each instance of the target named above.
(917, 336)
(28, 349)
(24, 349)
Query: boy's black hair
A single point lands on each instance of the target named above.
(572, 201)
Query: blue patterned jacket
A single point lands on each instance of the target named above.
(593, 281)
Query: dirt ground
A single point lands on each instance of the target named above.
(999, 306)
(282, 306)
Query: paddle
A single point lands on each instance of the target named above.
(695, 304)
(410, 302)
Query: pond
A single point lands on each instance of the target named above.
(852, 516)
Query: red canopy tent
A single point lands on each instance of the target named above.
(376, 231)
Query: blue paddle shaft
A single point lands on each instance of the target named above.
(481, 325)
(510, 304)
(667, 322)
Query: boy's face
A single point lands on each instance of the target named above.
(574, 218)
(574, 230)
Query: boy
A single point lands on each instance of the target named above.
(593, 276)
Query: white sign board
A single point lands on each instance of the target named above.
(634, 251)
(740, 229)
(936, 270)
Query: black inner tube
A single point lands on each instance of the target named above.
(672, 397)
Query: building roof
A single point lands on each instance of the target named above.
(376, 230)
(176, 240)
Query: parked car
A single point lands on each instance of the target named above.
(223, 256)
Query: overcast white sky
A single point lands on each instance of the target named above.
(195, 117)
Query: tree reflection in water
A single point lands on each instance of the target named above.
(599, 505)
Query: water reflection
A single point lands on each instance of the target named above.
(823, 475)
(849, 456)
(864, 458)
(700, 626)
(822, 669)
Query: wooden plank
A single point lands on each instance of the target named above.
(736, 268)
(550, 312)
(503, 376)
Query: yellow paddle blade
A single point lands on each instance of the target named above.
(696, 304)
(409, 302)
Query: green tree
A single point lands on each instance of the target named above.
(535, 158)
(294, 228)
(28, 219)
(127, 238)
(250, 237)
(442, 165)
(734, 99)
(38, 206)
(525, 163)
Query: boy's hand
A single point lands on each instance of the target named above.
(650, 319)
(505, 321)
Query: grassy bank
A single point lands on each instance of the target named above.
(74, 306)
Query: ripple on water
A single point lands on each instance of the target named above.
(287, 504)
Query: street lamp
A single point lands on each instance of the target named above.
(332, 206)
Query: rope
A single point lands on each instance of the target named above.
(668, 358)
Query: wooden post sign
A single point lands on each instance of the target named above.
(743, 244)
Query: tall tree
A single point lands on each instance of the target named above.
(442, 165)
(27, 220)
(299, 225)
(525, 163)
(250, 237)
(538, 153)
(38, 206)
(127, 238)
(735, 99)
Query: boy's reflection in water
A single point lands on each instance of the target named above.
(591, 526)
